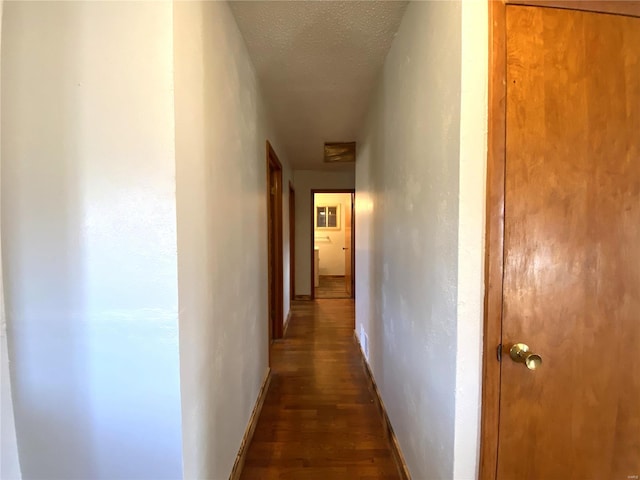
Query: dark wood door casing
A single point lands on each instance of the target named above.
(275, 244)
(352, 191)
(292, 242)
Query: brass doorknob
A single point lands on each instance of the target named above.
(520, 353)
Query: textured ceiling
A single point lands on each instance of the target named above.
(317, 62)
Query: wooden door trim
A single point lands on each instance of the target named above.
(273, 164)
(292, 243)
(353, 245)
(630, 8)
(494, 255)
(313, 214)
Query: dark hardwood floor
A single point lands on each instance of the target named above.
(319, 420)
(331, 286)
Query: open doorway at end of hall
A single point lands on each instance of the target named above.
(333, 243)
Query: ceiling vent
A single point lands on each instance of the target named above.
(340, 152)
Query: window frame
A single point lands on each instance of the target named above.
(326, 208)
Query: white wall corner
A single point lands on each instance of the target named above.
(9, 462)
(473, 161)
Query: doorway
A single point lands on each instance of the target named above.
(333, 241)
(560, 386)
(274, 232)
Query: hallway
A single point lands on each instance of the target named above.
(331, 286)
(135, 238)
(319, 419)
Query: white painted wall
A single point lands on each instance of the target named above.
(474, 123)
(89, 238)
(221, 129)
(304, 181)
(9, 461)
(331, 242)
(419, 224)
(287, 176)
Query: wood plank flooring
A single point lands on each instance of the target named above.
(319, 420)
(331, 286)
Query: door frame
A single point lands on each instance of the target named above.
(275, 283)
(495, 205)
(292, 242)
(352, 191)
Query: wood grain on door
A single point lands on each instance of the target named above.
(572, 246)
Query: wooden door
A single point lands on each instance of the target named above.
(348, 251)
(571, 288)
(275, 247)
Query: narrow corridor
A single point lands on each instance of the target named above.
(319, 419)
(331, 286)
